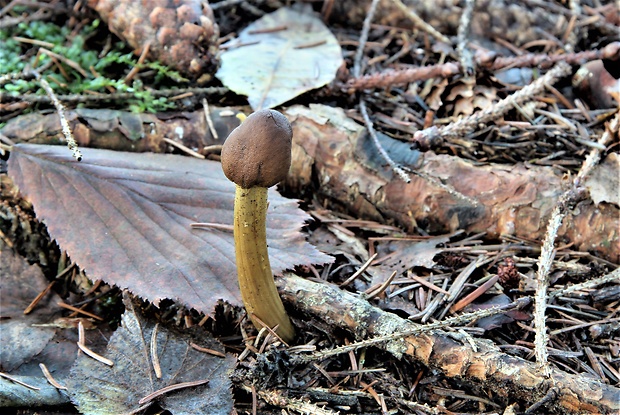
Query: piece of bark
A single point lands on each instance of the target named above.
(181, 34)
(479, 362)
(446, 193)
(124, 131)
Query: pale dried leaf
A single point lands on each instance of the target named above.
(274, 66)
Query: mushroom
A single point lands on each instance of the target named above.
(257, 155)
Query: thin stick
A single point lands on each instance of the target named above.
(420, 23)
(205, 106)
(270, 329)
(419, 329)
(81, 333)
(94, 355)
(68, 62)
(359, 271)
(612, 276)
(75, 98)
(154, 354)
(19, 382)
(468, 124)
(469, 298)
(383, 286)
(184, 148)
(78, 310)
(369, 125)
(138, 65)
(177, 386)
(357, 63)
(489, 61)
(50, 378)
(466, 57)
(566, 201)
(207, 350)
(38, 298)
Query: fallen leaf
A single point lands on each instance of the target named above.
(41, 336)
(604, 181)
(98, 389)
(20, 283)
(402, 255)
(496, 320)
(125, 218)
(280, 56)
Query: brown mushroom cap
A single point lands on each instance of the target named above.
(258, 152)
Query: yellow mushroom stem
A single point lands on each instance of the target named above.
(258, 289)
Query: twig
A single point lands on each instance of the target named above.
(177, 386)
(469, 298)
(184, 148)
(369, 125)
(50, 378)
(207, 350)
(612, 276)
(566, 201)
(8, 7)
(78, 310)
(94, 355)
(205, 106)
(138, 65)
(154, 353)
(466, 125)
(487, 60)
(427, 328)
(60, 109)
(359, 54)
(359, 272)
(466, 57)
(278, 399)
(38, 298)
(42, 14)
(118, 96)
(19, 382)
(67, 61)
(420, 23)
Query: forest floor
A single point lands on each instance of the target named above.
(459, 180)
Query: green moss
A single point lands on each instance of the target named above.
(16, 56)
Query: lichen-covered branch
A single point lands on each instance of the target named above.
(510, 378)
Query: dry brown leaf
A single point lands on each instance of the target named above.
(125, 218)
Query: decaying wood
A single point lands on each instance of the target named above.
(474, 360)
(124, 131)
(445, 194)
